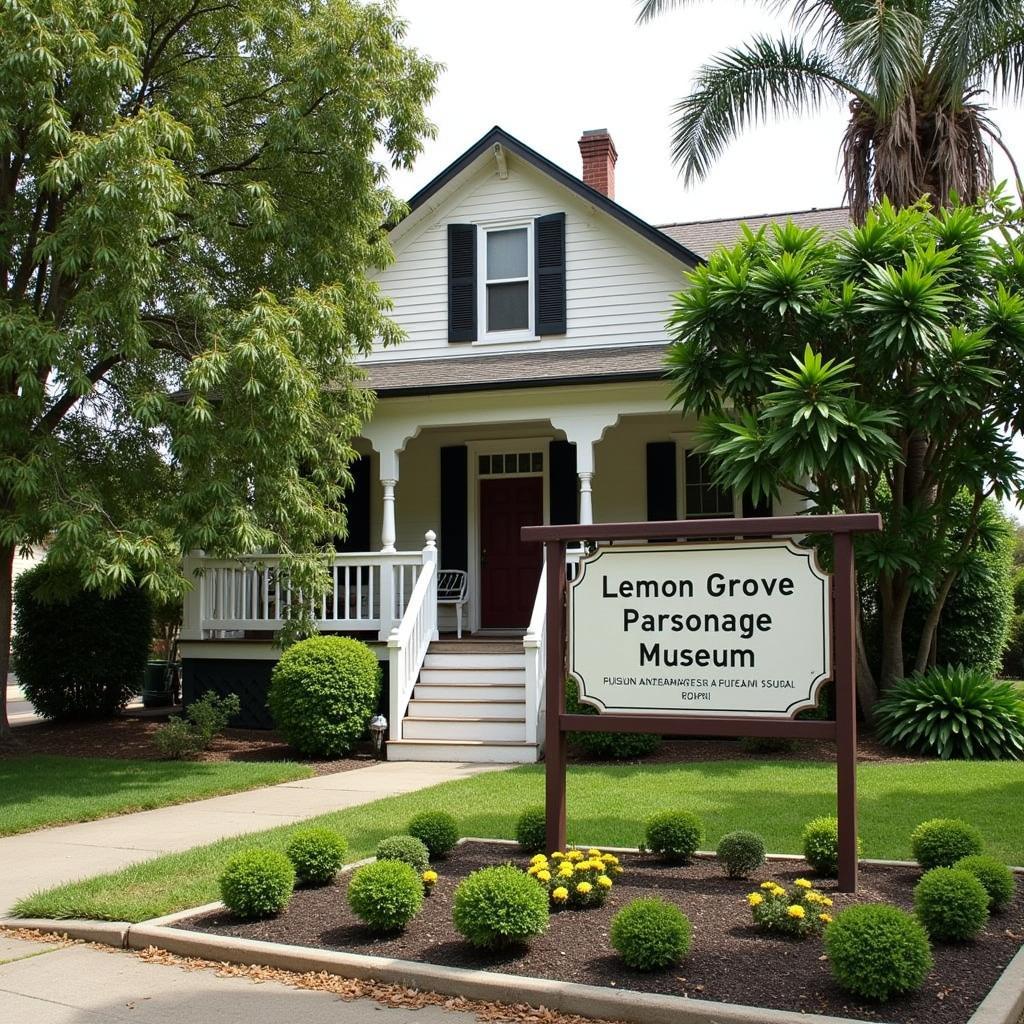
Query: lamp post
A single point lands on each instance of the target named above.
(378, 730)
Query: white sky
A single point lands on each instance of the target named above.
(545, 70)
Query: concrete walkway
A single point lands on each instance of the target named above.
(40, 860)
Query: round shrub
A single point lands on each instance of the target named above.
(408, 849)
(257, 883)
(531, 830)
(316, 854)
(821, 845)
(650, 935)
(98, 664)
(607, 746)
(322, 694)
(740, 853)
(951, 904)
(877, 951)
(941, 842)
(996, 878)
(437, 830)
(674, 835)
(498, 907)
(386, 895)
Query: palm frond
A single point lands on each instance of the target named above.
(885, 49)
(648, 10)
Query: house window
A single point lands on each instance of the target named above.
(511, 463)
(507, 279)
(704, 498)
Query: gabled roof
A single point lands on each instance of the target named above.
(664, 241)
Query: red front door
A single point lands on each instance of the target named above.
(509, 569)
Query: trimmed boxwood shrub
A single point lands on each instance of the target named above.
(941, 842)
(952, 904)
(437, 830)
(499, 907)
(996, 878)
(531, 830)
(877, 951)
(322, 694)
(386, 895)
(78, 654)
(316, 854)
(408, 849)
(674, 835)
(257, 883)
(821, 845)
(651, 934)
(607, 746)
(740, 853)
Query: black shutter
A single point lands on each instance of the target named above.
(661, 481)
(357, 508)
(462, 282)
(562, 482)
(549, 265)
(453, 540)
(756, 510)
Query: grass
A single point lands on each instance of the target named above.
(44, 790)
(607, 805)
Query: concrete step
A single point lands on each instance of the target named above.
(427, 708)
(480, 728)
(471, 751)
(456, 690)
(499, 645)
(476, 659)
(473, 674)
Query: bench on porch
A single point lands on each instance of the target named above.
(453, 588)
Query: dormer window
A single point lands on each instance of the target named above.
(507, 279)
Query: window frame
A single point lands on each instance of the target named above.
(485, 334)
(687, 441)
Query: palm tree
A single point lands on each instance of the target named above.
(915, 74)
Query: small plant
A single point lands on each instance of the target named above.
(177, 740)
(674, 835)
(531, 830)
(429, 879)
(316, 854)
(257, 883)
(386, 895)
(941, 842)
(877, 951)
(186, 736)
(499, 907)
(741, 853)
(651, 935)
(953, 712)
(996, 878)
(576, 879)
(952, 904)
(437, 830)
(798, 912)
(607, 746)
(408, 849)
(821, 845)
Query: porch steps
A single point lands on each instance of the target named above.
(469, 705)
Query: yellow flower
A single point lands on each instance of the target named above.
(813, 897)
(544, 875)
(429, 877)
(583, 888)
(574, 855)
(539, 859)
(768, 885)
(795, 910)
(558, 855)
(604, 881)
(565, 871)
(616, 870)
(533, 869)
(826, 901)
(802, 883)
(755, 899)
(825, 918)
(778, 891)
(593, 853)
(609, 858)
(560, 895)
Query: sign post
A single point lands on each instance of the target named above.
(728, 634)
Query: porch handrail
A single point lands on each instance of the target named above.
(410, 639)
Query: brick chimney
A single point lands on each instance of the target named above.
(599, 156)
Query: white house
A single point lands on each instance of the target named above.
(530, 389)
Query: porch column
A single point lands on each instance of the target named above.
(586, 502)
(585, 430)
(388, 530)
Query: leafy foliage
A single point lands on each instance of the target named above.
(316, 854)
(953, 713)
(820, 844)
(674, 835)
(651, 934)
(195, 730)
(576, 879)
(257, 883)
(996, 878)
(1013, 654)
(740, 853)
(531, 830)
(499, 907)
(941, 842)
(798, 912)
(951, 903)
(437, 830)
(386, 895)
(877, 951)
(407, 849)
(607, 746)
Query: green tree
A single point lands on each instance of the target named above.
(191, 194)
(879, 371)
(914, 75)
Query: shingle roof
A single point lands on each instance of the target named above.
(397, 377)
(704, 236)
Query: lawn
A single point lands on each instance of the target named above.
(43, 790)
(607, 805)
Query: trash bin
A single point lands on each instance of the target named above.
(156, 685)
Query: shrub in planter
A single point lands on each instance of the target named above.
(740, 853)
(316, 854)
(953, 712)
(651, 934)
(257, 883)
(877, 951)
(797, 912)
(408, 849)
(821, 845)
(499, 907)
(576, 879)
(952, 904)
(98, 664)
(386, 895)
(322, 694)
(996, 878)
(607, 746)
(674, 835)
(437, 830)
(941, 842)
(531, 830)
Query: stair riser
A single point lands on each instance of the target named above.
(473, 659)
(477, 709)
(485, 692)
(428, 729)
(482, 754)
(472, 674)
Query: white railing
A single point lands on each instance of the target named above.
(409, 640)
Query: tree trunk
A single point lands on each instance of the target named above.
(867, 688)
(926, 644)
(6, 608)
(893, 613)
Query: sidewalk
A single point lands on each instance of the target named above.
(49, 857)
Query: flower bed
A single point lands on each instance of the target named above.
(730, 959)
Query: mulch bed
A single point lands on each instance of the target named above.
(730, 961)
